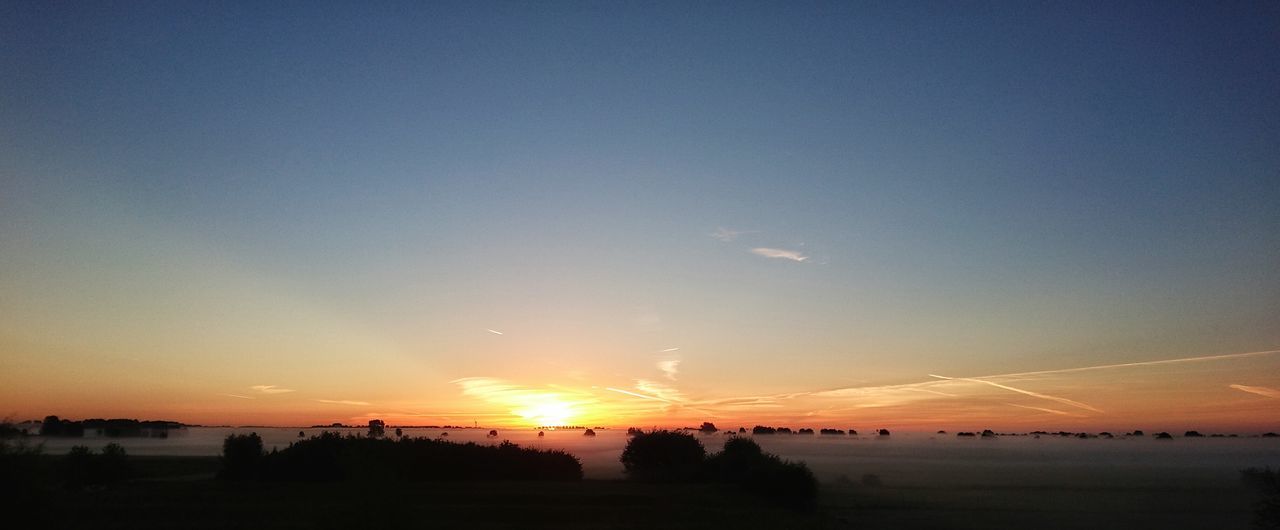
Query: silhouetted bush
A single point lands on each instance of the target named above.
(24, 480)
(708, 427)
(761, 429)
(1192, 434)
(742, 462)
(333, 457)
(377, 428)
(82, 467)
(965, 434)
(883, 432)
(1163, 436)
(832, 431)
(663, 456)
(241, 456)
(805, 431)
(589, 432)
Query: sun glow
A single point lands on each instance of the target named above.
(546, 410)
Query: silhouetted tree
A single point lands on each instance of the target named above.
(663, 456)
(377, 428)
(589, 432)
(1192, 434)
(884, 432)
(399, 432)
(708, 427)
(241, 456)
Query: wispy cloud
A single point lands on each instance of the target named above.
(670, 350)
(237, 396)
(342, 402)
(495, 332)
(1062, 400)
(635, 394)
(670, 368)
(780, 254)
(727, 235)
(1259, 390)
(270, 389)
(1050, 411)
(1203, 358)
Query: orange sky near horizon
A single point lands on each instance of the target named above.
(1235, 393)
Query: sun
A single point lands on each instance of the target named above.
(546, 410)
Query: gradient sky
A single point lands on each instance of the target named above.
(651, 214)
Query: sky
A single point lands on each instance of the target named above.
(856, 215)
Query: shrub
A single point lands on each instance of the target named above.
(333, 457)
(24, 478)
(241, 456)
(663, 456)
(82, 467)
(742, 462)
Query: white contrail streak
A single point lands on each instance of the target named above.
(495, 332)
(1050, 411)
(642, 396)
(1259, 390)
(1143, 363)
(1064, 401)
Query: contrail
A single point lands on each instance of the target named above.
(1050, 411)
(238, 396)
(1259, 390)
(669, 349)
(1021, 391)
(642, 396)
(495, 332)
(1143, 363)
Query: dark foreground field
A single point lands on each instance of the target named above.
(181, 493)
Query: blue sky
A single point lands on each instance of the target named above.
(977, 188)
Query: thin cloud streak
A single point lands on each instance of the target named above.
(342, 402)
(495, 332)
(271, 389)
(629, 393)
(1050, 411)
(727, 235)
(1143, 363)
(1259, 390)
(1062, 400)
(780, 254)
(238, 396)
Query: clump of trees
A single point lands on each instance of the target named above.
(82, 467)
(666, 456)
(333, 457)
(832, 431)
(663, 456)
(54, 426)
